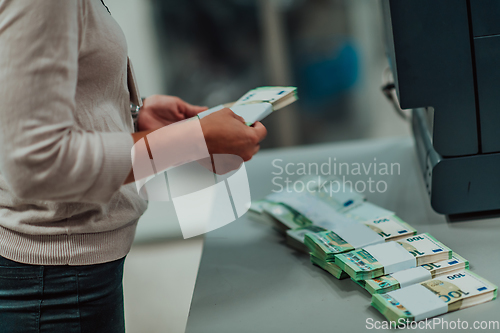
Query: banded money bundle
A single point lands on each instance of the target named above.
(343, 238)
(365, 211)
(382, 259)
(285, 217)
(295, 237)
(334, 192)
(278, 97)
(390, 282)
(320, 207)
(257, 206)
(330, 267)
(311, 208)
(434, 297)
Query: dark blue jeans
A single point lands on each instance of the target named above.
(61, 298)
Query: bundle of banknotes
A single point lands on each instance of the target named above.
(349, 237)
(330, 267)
(381, 259)
(401, 279)
(258, 103)
(434, 297)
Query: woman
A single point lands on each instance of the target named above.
(67, 219)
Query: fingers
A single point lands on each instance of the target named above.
(192, 110)
(256, 149)
(247, 156)
(234, 115)
(259, 130)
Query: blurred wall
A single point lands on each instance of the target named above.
(211, 52)
(135, 18)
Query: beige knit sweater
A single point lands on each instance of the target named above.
(65, 138)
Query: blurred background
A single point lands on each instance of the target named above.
(210, 52)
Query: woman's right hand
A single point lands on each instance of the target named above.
(226, 133)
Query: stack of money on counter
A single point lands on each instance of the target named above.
(257, 206)
(341, 238)
(330, 267)
(309, 206)
(296, 237)
(387, 258)
(285, 217)
(401, 279)
(434, 297)
(293, 210)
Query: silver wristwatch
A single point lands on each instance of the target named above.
(134, 111)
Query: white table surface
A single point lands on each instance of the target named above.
(250, 281)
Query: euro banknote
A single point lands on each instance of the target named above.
(285, 217)
(390, 282)
(434, 297)
(329, 267)
(341, 238)
(295, 237)
(382, 259)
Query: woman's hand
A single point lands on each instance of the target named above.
(226, 133)
(161, 110)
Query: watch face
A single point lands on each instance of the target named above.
(134, 110)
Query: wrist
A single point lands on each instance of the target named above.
(134, 112)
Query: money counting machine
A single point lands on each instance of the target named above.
(445, 59)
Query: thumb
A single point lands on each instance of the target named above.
(237, 117)
(192, 110)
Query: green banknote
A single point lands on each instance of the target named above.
(295, 237)
(286, 217)
(390, 227)
(390, 282)
(457, 290)
(362, 265)
(343, 238)
(325, 245)
(257, 206)
(334, 192)
(329, 267)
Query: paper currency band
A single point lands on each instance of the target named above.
(420, 301)
(412, 276)
(317, 211)
(323, 215)
(359, 235)
(250, 112)
(392, 256)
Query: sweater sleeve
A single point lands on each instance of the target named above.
(44, 155)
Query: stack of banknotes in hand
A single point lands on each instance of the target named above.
(349, 237)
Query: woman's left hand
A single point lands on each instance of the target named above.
(161, 110)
